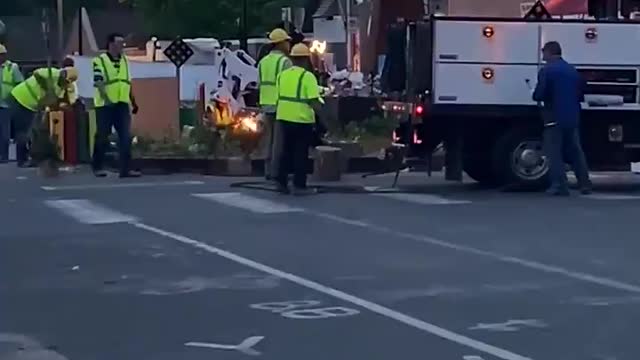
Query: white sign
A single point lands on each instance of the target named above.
(510, 325)
(304, 310)
(525, 7)
(245, 347)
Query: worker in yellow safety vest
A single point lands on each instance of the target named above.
(11, 76)
(269, 68)
(43, 89)
(70, 97)
(298, 100)
(114, 103)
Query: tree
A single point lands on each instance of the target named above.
(209, 18)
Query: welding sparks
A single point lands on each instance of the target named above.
(249, 123)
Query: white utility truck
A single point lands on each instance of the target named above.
(469, 85)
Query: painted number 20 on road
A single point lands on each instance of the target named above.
(305, 310)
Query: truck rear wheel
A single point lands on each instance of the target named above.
(477, 164)
(518, 159)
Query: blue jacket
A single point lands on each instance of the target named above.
(561, 88)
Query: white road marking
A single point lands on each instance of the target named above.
(87, 212)
(304, 310)
(601, 196)
(121, 185)
(338, 294)
(27, 348)
(471, 357)
(245, 347)
(552, 269)
(510, 325)
(247, 202)
(422, 199)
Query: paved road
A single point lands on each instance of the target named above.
(189, 268)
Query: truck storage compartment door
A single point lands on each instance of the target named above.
(595, 43)
(480, 84)
(486, 42)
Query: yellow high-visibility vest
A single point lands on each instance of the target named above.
(117, 82)
(268, 69)
(8, 79)
(31, 95)
(296, 88)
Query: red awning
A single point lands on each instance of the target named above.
(566, 7)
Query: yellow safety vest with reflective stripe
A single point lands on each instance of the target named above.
(268, 69)
(8, 79)
(31, 95)
(117, 82)
(295, 87)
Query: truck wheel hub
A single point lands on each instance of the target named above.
(528, 161)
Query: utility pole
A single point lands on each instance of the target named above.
(349, 40)
(60, 49)
(244, 32)
(80, 30)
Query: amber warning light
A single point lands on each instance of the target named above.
(488, 31)
(487, 73)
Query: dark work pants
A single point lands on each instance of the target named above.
(272, 144)
(5, 133)
(296, 139)
(116, 116)
(22, 120)
(562, 145)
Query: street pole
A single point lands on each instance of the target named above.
(348, 32)
(244, 42)
(80, 37)
(60, 30)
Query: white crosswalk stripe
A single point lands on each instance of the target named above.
(611, 196)
(248, 202)
(87, 212)
(421, 199)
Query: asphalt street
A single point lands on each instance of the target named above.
(190, 268)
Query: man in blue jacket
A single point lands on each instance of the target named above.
(561, 88)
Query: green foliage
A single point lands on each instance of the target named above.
(170, 18)
(209, 18)
(375, 126)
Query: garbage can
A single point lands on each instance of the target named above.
(187, 117)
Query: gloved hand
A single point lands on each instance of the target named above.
(134, 109)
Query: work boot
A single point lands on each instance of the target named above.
(283, 189)
(586, 191)
(99, 173)
(304, 191)
(131, 174)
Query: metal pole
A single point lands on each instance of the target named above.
(80, 37)
(348, 32)
(60, 30)
(244, 42)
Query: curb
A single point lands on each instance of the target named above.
(234, 166)
(230, 166)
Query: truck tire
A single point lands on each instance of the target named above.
(518, 159)
(478, 166)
